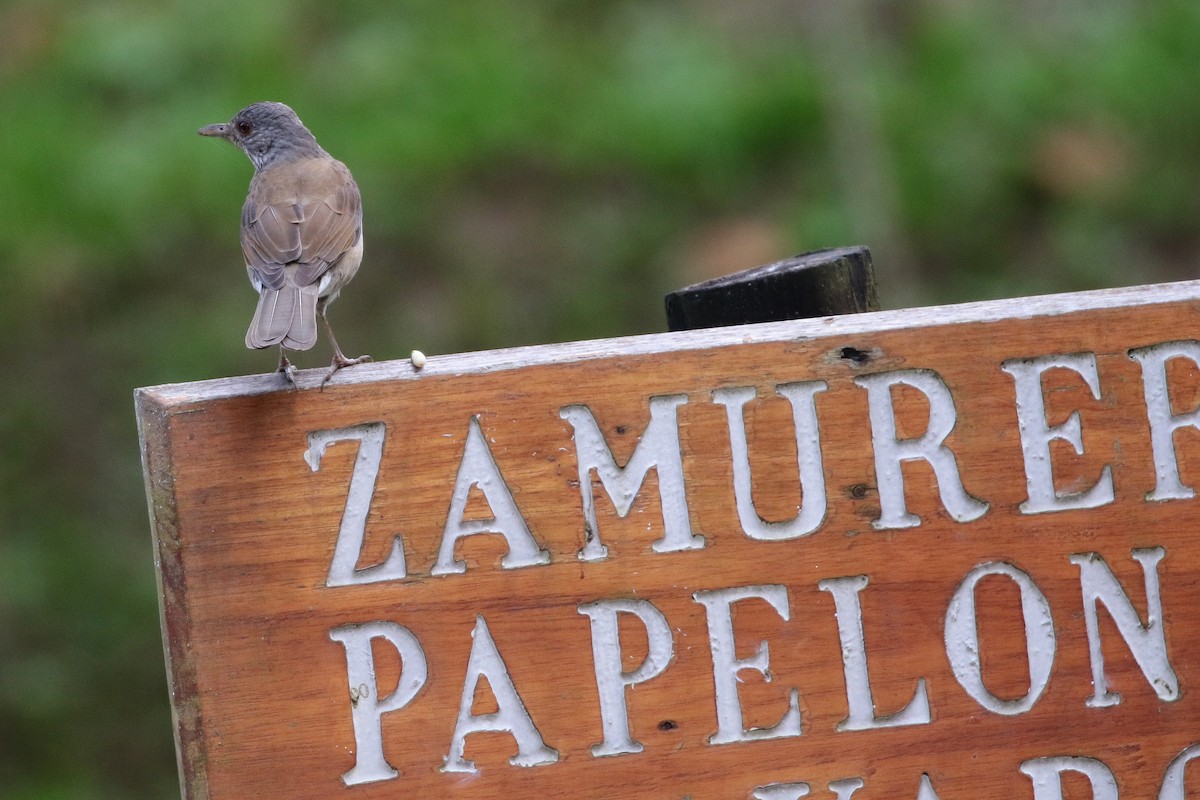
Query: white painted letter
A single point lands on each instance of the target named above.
(353, 528)
(846, 787)
(1163, 423)
(1173, 780)
(1147, 642)
(781, 791)
(366, 706)
(1046, 774)
(843, 789)
(1037, 434)
(808, 455)
(962, 639)
(479, 468)
(726, 666)
(511, 716)
(854, 663)
(926, 791)
(611, 680)
(658, 447)
(891, 452)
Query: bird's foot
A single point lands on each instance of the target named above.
(339, 362)
(288, 370)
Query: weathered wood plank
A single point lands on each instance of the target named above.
(850, 325)
(249, 506)
(158, 468)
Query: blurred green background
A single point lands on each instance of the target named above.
(531, 172)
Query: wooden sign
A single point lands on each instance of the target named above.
(938, 553)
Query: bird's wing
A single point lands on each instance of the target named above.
(298, 220)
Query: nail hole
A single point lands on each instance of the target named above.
(855, 355)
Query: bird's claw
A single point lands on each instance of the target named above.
(339, 362)
(289, 372)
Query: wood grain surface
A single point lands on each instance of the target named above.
(245, 531)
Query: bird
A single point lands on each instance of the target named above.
(302, 235)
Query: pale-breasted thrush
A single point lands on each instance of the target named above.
(301, 229)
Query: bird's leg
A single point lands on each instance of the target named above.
(339, 359)
(285, 366)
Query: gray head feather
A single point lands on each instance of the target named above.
(267, 133)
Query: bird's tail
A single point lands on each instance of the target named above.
(286, 316)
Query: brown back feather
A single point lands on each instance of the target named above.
(299, 219)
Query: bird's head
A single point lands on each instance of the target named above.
(267, 132)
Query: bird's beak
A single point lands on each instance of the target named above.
(221, 129)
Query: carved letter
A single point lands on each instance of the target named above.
(1173, 780)
(962, 639)
(1036, 434)
(1046, 774)
(846, 787)
(781, 791)
(485, 662)
(611, 680)
(891, 452)
(717, 604)
(353, 528)
(366, 706)
(1163, 423)
(854, 664)
(842, 790)
(808, 455)
(658, 447)
(479, 468)
(1147, 642)
(926, 791)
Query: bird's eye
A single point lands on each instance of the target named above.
(243, 128)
